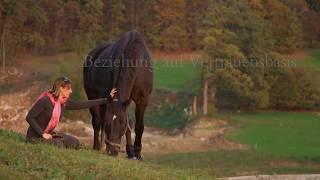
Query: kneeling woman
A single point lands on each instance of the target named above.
(48, 109)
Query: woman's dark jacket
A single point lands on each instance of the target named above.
(40, 114)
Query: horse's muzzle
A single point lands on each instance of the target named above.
(112, 149)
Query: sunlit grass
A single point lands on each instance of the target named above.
(287, 134)
(177, 76)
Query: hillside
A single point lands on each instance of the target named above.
(19, 160)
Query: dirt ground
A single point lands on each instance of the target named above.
(203, 136)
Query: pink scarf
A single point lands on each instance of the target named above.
(55, 116)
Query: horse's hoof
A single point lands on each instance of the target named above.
(132, 158)
(139, 157)
(130, 151)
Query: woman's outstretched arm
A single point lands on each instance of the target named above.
(74, 105)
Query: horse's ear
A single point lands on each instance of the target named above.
(126, 103)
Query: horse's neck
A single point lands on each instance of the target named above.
(125, 84)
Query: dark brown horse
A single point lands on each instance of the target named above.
(127, 66)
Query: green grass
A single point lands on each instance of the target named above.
(223, 163)
(279, 143)
(40, 161)
(286, 134)
(181, 77)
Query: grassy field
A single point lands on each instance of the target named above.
(286, 134)
(279, 143)
(19, 160)
(224, 163)
(177, 76)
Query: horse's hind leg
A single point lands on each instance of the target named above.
(139, 128)
(102, 124)
(96, 119)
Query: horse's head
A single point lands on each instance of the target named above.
(117, 121)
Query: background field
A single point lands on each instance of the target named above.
(290, 134)
(279, 143)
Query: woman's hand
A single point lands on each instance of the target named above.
(113, 92)
(47, 136)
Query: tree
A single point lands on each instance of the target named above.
(218, 43)
(114, 18)
(8, 10)
(286, 27)
(308, 88)
(194, 15)
(169, 27)
(85, 22)
(234, 88)
(314, 5)
(311, 26)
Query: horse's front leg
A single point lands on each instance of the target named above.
(129, 145)
(139, 128)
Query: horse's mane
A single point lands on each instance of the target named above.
(130, 38)
(137, 38)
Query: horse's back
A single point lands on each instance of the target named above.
(96, 81)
